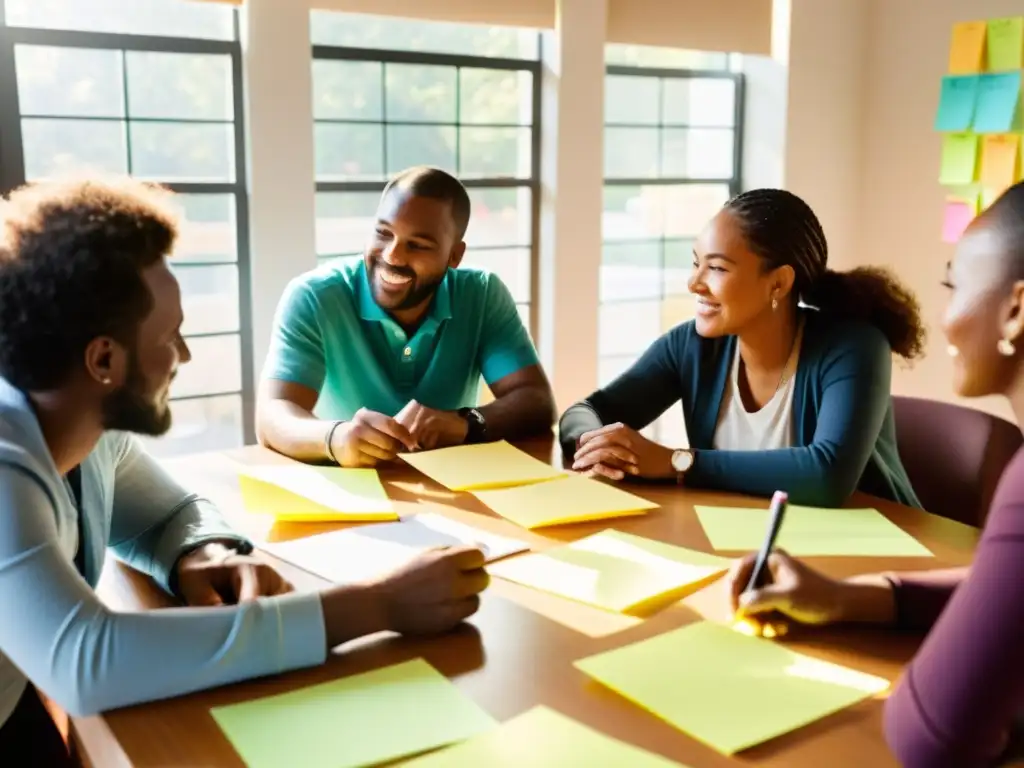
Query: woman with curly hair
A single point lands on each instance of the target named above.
(784, 375)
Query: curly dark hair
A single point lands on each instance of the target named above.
(71, 257)
(783, 230)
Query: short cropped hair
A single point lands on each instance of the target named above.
(425, 181)
(71, 257)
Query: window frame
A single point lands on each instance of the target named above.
(734, 181)
(12, 166)
(385, 56)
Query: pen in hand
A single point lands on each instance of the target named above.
(761, 575)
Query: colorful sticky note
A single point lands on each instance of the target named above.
(967, 47)
(955, 220)
(998, 108)
(569, 500)
(957, 100)
(988, 196)
(542, 738)
(959, 158)
(999, 160)
(1020, 160)
(811, 531)
(614, 570)
(484, 465)
(299, 493)
(970, 196)
(1006, 44)
(357, 721)
(727, 689)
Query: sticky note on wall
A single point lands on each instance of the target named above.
(957, 101)
(1006, 44)
(988, 197)
(957, 216)
(969, 195)
(959, 159)
(967, 47)
(1020, 159)
(998, 107)
(1000, 161)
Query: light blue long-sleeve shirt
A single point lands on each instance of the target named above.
(55, 631)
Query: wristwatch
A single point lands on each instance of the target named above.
(477, 432)
(682, 461)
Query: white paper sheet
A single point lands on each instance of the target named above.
(355, 554)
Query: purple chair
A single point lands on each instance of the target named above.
(953, 455)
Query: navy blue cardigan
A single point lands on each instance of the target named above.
(844, 433)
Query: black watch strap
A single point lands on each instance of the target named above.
(477, 432)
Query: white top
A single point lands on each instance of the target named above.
(764, 430)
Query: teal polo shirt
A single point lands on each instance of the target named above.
(332, 337)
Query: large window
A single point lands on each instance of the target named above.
(460, 97)
(672, 149)
(151, 88)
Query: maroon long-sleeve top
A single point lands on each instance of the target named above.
(958, 698)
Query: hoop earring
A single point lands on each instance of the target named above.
(1006, 348)
(775, 304)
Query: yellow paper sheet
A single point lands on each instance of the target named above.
(572, 499)
(967, 47)
(808, 531)
(298, 493)
(726, 689)
(353, 722)
(542, 738)
(475, 467)
(614, 570)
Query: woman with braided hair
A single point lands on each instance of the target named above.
(784, 376)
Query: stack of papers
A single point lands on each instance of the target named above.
(726, 689)
(810, 531)
(615, 571)
(480, 466)
(357, 721)
(301, 493)
(357, 554)
(542, 738)
(529, 492)
(571, 499)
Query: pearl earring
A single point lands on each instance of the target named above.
(1006, 348)
(952, 351)
(105, 380)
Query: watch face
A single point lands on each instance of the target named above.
(681, 460)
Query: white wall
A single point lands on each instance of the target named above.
(900, 197)
(845, 106)
(824, 111)
(723, 25)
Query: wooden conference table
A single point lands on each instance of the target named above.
(517, 652)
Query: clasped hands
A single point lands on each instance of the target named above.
(371, 437)
(217, 574)
(615, 450)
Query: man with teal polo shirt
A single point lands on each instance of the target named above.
(385, 354)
